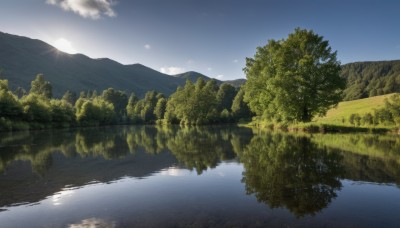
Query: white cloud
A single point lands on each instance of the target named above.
(235, 61)
(172, 70)
(147, 46)
(219, 76)
(93, 9)
(209, 69)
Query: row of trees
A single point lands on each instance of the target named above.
(193, 104)
(199, 103)
(388, 115)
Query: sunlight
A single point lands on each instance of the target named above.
(59, 196)
(176, 172)
(64, 45)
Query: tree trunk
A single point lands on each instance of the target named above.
(306, 115)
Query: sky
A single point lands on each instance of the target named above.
(212, 37)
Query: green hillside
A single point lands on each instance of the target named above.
(192, 76)
(346, 108)
(368, 79)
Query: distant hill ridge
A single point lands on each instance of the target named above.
(22, 58)
(368, 79)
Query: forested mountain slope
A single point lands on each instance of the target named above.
(368, 79)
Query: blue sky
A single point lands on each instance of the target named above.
(212, 37)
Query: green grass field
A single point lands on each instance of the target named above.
(346, 108)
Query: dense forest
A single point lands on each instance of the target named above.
(194, 104)
(368, 79)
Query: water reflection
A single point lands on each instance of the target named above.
(302, 173)
(59, 197)
(94, 222)
(291, 172)
(367, 157)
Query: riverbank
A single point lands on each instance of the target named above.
(315, 127)
(312, 127)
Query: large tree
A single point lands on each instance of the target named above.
(293, 79)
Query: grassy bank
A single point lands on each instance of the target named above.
(336, 119)
(340, 114)
(314, 127)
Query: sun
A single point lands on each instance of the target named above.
(64, 45)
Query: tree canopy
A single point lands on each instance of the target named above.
(194, 104)
(368, 79)
(293, 79)
(41, 87)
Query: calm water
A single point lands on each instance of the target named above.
(146, 176)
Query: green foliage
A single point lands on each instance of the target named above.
(240, 109)
(95, 111)
(291, 172)
(225, 116)
(70, 97)
(159, 110)
(145, 110)
(20, 92)
(225, 95)
(41, 87)
(388, 115)
(355, 119)
(62, 113)
(9, 106)
(36, 108)
(367, 119)
(293, 79)
(119, 99)
(195, 104)
(392, 105)
(130, 107)
(149, 104)
(367, 79)
(371, 105)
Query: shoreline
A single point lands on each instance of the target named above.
(313, 127)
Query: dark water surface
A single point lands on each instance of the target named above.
(145, 176)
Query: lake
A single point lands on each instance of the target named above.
(221, 176)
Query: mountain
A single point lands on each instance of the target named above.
(237, 82)
(193, 76)
(22, 58)
(367, 79)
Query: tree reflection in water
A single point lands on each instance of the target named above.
(299, 172)
(292, 172)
